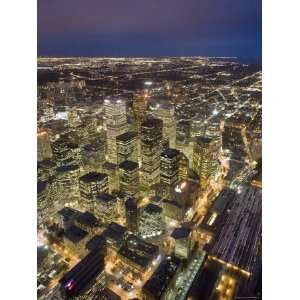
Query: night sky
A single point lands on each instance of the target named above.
(150, 28)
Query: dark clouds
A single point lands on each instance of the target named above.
(149, 27)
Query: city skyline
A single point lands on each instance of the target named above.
(149, 143)
(148, 178)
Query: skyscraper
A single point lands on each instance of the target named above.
(67, 184)
(131, 211)
(129, 178)
(205, 159)
(66, 152)
(139, 107)
(43, 145)
(151, 137)
(127, 147)
(165, 111)
(116, 124)
(91, 185)
(234, 141)
(169, 168)
(93, 156)
(183, 167)
(151, 223)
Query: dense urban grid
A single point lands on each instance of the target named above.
(149, 178)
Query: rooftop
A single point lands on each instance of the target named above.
(152, 122)
(170, 153)
(129, 165)
(68, 212)
(104, 197)
(161, 278)
(96, 242)
(75, 234)
(81, 277)
(152, 209)
(130, 204)
(92, 177)
(67, 168)
(127, 136)
(114, 232)
(138, 251)
(87, 219)
(109, 166)
(181, 233)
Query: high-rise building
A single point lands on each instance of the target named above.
(151, 223)
(127, 147)
(169, 168)
(183, 138)
(205, 160)
(112, 171)
(66, 152)
(106, 208)
(234, 141)
(129, 178)
(165, 111)
(43, 203)
(43, 145)
(151, 137)
(139, 107)
(67, 184)
(91, 185)
(183, 167)
(183, 132)
(131, 211)
(183, 242)
(116, 124)
(93, 156)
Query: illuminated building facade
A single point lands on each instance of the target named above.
(66, 152)
(112, 171)
(43, 145)
(129, 178)
(172, 210)
(44, 205)
(139, 107)
(67, 184)
(183, 242)
(116, 124)
(234, 141)
(127, 147)
(93, 156)
(91, 185)
(165, 111)
(151, 223)
(205, 159)
(151, 137)
(105, 208)
(183, 138)
(183, 167)
(169, 167)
